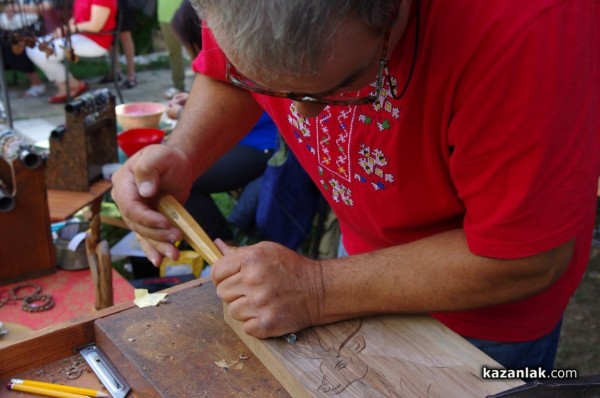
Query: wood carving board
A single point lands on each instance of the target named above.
(383, 356)
(183, 348)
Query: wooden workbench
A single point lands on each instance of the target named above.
(184, 348)
(42, 355)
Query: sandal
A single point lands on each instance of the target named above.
(59, 99)
(82, 88)
(129, 83)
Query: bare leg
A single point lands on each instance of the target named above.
(36, 88)
(61, 89)
(34, 79)
(74, 86)
(129, 51)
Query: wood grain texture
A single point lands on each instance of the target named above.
(26, 247)
(183, 349)
(50, 344)
(64, 204)
(383, 356)
(105, 285)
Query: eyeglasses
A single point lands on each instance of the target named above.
(346, 98)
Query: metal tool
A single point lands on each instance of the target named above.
(582, 387)
(105, 370)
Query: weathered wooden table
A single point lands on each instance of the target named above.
(185, 348)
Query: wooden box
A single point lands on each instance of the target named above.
(86, 142)
(26, 248)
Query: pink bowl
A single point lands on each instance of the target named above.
(131, 141)
(139, 114)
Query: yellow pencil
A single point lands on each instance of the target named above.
(43, 391)
(78, 391)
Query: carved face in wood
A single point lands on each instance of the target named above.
(342, 353)
(343, 369)
(341, 366)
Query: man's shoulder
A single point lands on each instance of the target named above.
(470, 26)
(509, 12)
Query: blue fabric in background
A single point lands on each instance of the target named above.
(288, 200)
(263, 136)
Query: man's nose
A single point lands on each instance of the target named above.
(308, 109)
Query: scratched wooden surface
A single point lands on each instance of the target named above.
(389, 356)
(183, 348)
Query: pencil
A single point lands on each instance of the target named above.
(43, 391)
(58, 387)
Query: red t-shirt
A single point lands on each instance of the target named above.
(497, 134)
(82, 11)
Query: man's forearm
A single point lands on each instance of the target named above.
(438, 273)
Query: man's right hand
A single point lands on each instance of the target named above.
(155, 170)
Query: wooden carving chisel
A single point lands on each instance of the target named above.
(196, 237)
(192, 232)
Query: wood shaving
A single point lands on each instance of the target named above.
(222, 364)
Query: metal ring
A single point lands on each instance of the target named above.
(29, 306)
(4, 298)
(74, 373)
(14, 290)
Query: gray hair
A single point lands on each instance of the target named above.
(271, 38)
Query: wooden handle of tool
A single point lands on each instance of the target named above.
(192, 232)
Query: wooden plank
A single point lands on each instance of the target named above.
(183, 348)
(383, 356)
(51, 343)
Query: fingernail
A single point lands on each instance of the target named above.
(145, 189)
(171, 254)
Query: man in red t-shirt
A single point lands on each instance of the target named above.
(456, 141)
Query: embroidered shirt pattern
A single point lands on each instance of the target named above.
(344, 157)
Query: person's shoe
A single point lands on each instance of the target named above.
(82, 88)
(171, 92)
(36, 91)
(59, 99)
(129, 83)
(110, 79)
